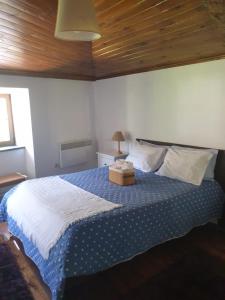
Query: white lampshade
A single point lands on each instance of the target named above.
(76, 21)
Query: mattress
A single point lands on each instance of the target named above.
(154, 210)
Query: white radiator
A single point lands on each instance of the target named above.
(74, 153)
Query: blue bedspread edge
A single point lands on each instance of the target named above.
(121, 245)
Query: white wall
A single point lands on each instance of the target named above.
(60, 111)
(23, 126)
(184, 105)
(12, 161)
(23, 130)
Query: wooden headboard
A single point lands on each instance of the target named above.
(220, 163)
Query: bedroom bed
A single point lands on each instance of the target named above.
(152, 211)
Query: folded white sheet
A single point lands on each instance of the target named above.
(44, 208)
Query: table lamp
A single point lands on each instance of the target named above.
(118, 137)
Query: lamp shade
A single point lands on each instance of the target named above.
(118, 136)
(76, 21)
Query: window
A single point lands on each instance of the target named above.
(7, 137)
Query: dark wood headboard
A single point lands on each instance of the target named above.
(220, 163)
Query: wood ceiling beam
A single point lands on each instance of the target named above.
(136, 35)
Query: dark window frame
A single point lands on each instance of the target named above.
(11, 142)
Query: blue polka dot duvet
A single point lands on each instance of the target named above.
(154, 210)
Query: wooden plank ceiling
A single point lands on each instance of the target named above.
(137, 36)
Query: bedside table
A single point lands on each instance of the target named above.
(11, 179)
(108, 158)
(8, 181)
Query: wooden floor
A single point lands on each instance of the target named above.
(117, 282)
(38, 289)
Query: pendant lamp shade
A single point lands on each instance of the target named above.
(76, 21)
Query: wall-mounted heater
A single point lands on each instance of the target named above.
(74, 153)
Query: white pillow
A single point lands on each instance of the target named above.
(146, 158)
(209, 174)
(185, 165)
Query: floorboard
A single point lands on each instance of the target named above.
(119, 282)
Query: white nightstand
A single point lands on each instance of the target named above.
(108, 158)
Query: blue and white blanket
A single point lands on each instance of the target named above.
(153, 210)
